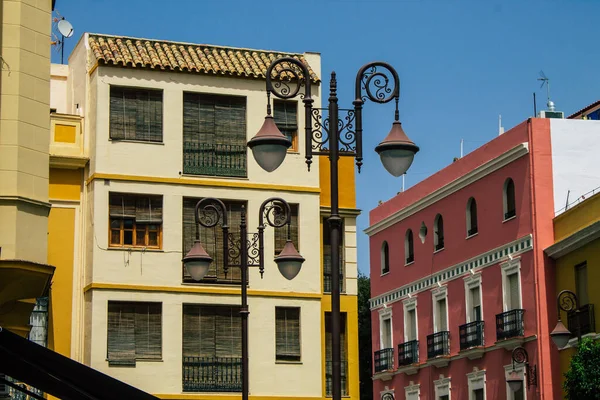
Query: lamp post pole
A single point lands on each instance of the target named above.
(208, 213)
(269, 148)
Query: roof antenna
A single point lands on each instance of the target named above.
(65, 30)
(546, 80)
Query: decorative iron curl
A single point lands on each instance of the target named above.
(209, 211)
(376, 79)
(347, 132)
(388, 396)
(253, 250)
(286, 76)
(276, 213)
(567, 301)
(520, 356)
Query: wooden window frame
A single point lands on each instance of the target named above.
(135, 227)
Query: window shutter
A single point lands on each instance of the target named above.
(199, 331)
(287, 328)
(513, 284)
(229, 332)
(136, 114)
(121, 333)
(286, 117)
(148, 331)
(442, 317)
(412, 326)
(122, 206)
(148, 209)
(117, 113)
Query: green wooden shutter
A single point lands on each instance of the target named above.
(287, 333)
(121, 333)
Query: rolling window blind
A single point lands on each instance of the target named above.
(136, 114)
(287, 333)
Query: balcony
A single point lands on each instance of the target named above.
(383, 360)
(438, 348)
(471, 339)
(583, 319)
(510, 328)
(408, 357)
(329, 379)
(66, 141)
(212, 374)
(214, 159)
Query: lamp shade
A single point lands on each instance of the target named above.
(514, 381)
(397, 151)
(269, 146)
(197, 261)
(560, 335)
(289, 261)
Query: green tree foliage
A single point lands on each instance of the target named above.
(364, 337)
(583, 377)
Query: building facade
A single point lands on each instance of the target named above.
(164, 125)
(576, 257)
(459, 277)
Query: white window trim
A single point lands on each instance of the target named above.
(436, 295)
(476, 381)
(412, 390)
(442, 387)
(410, 304)
(520, 370)
(472, 282)
(508, 268)
(385, 314)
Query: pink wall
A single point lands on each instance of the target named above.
(532, 175)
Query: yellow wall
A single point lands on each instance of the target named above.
(65, 184)
(346, 182)
(565, 225)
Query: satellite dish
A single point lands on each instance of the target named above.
(65, 28)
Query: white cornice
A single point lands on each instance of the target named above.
(575, 241)
(483, 170)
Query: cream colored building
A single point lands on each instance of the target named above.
(165, 124)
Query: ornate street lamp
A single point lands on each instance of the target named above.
(520, 356)
(566, 301)
(335, 137)
(277, 213)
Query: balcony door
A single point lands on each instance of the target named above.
(411, 325)
(386, 333)
(441, 315)
(475, 311)
(581, 286)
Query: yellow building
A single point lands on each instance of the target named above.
(576, 253)
(113, 265)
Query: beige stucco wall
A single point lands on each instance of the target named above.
(58, 87)
(24, 128)
(266, 376)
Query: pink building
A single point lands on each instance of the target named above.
(458, 273)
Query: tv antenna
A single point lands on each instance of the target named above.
(546, 81)
(65, 30)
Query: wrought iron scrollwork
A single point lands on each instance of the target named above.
(253, 250)
(287, 76)
(387, 396)
(567, 301)
(520, 356)
(376, 80)
(346, 133)
(276, 212)
(210, 211)
(234, 250)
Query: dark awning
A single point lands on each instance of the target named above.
(58, 375)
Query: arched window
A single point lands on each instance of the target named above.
(385, 258)
(409, 248)
(471, 217)
(509, 199)
(438, 229)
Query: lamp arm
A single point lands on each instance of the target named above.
(284, 68)
(266, 211)
(567, 301)
(213, 211)
(369, 75)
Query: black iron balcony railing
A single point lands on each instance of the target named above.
(509, 324)
(438, 344)
(327, 272)
(509, 214)
(472, 231)
(212, 374)
(583, 319)
(384, 360)
(214, 159)
(408, 353)
(329, 378)
(471, 335)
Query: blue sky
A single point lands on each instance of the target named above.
(461, 62)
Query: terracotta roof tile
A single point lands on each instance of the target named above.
(172, 56)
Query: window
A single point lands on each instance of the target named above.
(412, 392)
(136, 114)
(281, 234)
(409, 248)
(473, 298)
(509, 199)
(438, 228)
(286, 118)
(440, 304)
(442, 388)
(344, 354)
(476, 381)
(212, 241)
(410, 319)
(385, 258)
(327, 270)
(135, 220)
(511, 289)
(581, 286)
(287, 333)
(212, 346)
(134, 332)
(386, 332)
(214, 135)
(471, 217)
